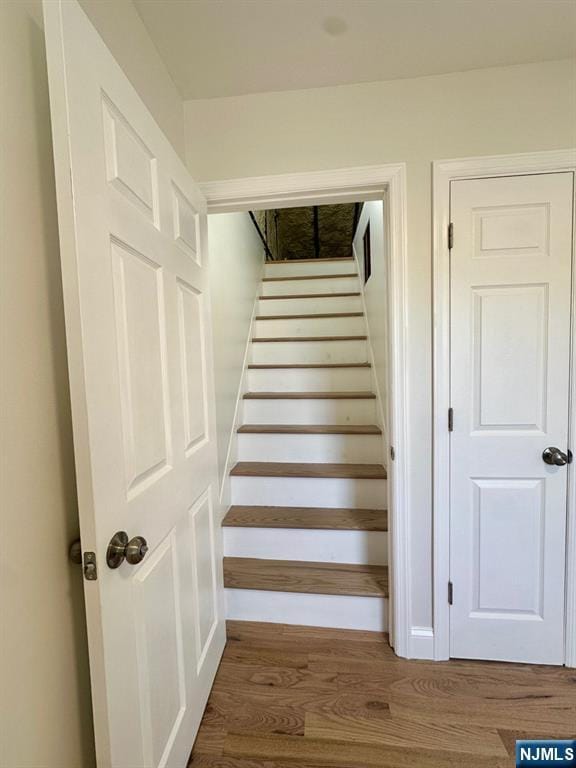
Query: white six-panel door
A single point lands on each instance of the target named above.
(510, 365)
(134, 263)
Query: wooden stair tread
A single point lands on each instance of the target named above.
(308, 261)
(311, 578)
(273, 339)
(311, 518)
(264, 366)
(309, 396)
(308, 277)
(309, 317)
(308, 469)
(310, 429)
(309, 296)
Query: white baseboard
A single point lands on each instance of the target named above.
(421, 643)
(225, 493)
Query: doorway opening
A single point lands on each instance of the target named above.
(383, 186)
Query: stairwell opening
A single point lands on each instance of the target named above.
(306, 532)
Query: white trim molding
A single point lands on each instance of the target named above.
(341, 186)
(347, 185)
(421, 643)
(232, 451)
(444, 172)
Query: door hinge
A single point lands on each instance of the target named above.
(392, 453)
(450, 419)
(450, 236)
(450, 593)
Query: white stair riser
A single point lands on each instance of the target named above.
(309, 411)
(310, 380)
(317, 326)
(309, 352)
(356, 547)
(353, 449)
(340, 611)
(308, 306)
(296, 287)
(317, 267)
(309, 492)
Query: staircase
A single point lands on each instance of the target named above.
(305, 540)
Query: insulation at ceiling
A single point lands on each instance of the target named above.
(307, 233)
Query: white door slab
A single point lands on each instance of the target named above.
(510, 368)
(135, 275)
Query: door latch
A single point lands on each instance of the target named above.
(86, 559)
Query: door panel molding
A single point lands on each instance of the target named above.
(134, 257)
(444, 172)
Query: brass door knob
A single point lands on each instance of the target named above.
(121, 549)
(555, 457)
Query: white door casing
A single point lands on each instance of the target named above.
(135, 276)
(509, 380)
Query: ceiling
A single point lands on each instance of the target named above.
(218, 48)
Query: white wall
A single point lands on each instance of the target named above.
(236, 266)
(375, 300)
(45, 719)
(490, 111)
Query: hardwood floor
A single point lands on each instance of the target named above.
(276, 339)
(301, 697)
(308, 469)
(309, 395)
(308, 277)
(310, 296)
(307, 518)
(304, 576)
(310, 429)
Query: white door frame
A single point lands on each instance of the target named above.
(445, 171)
(345, 186)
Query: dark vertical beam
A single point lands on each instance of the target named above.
(264, 243)
(276, 217)
(316, 233)
(357, 207)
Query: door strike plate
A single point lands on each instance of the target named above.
(90, 568)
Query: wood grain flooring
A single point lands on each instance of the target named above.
(283, 339)
(308, 469)
(310, 518)
(304, 576)
(311, 261)
(301, 697)
(313, 316)
(266, 366)
(310, 429)
(309, 296)
(309, 395)
(308, 277)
